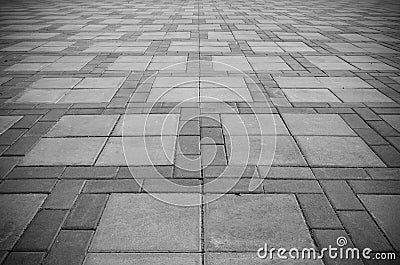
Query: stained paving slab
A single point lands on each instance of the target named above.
(123, 124)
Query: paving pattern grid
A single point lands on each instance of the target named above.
(317, 81)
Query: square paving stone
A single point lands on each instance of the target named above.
(143, 259)
(253, 124)
(40, 96)
(83, 125)
(247, 222)
(317, 124)
(147, 125)
(361, 95)
(310, 95)
(139, 222)
(16, 211)
(54, 82)
(88, 96)
(65, 151)
(138, 151)
(384, 209)
(101, 82)
(7, 121)
(338, 151)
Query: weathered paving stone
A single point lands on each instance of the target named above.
(42, 231)
(90, 172)
(318, 211)
(17, 210)
(384, 209)
(108, 186)
(64, 194)
(338, 151)
(340, 173)
(264, 150)
(8, 121)
(244, 223)
(69, 248)
(86, 214)
(83, 125)
(234, 258)
(363, 231)
(138, 151)
(35, 172)
(64, 151)
(24, 258)
(375, 187)
(27, 186)
(138, 222)
(340, 195)
(145, 259)
(317, 124)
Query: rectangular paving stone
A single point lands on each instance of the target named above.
(318, 211)
(340, 195)
(27, 185)
(69, 248)
(253, 124)
(40, 96)
(310, 95)
(35, 172)
(88, 96)
(265, 150)
(7, 121)
(64, 194)
(24, 258)
(87, 211)
(285, 172)
(291, 186)
(317, 124)
(83, 125)
(115, 185)
(236, 258)
(363, 231)
(65, 151)
(338, 151)
(340, 173)
(42, 231)
(89, 172)
(383, 209)
(17, 210)
(361, 95)
(101, 82)
(242, 223)
(147, 125)
(128, 151)
(375, 187)
(145, 259)
(55, 82)
(138, 222)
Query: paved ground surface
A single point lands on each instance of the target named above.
(79, 79)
